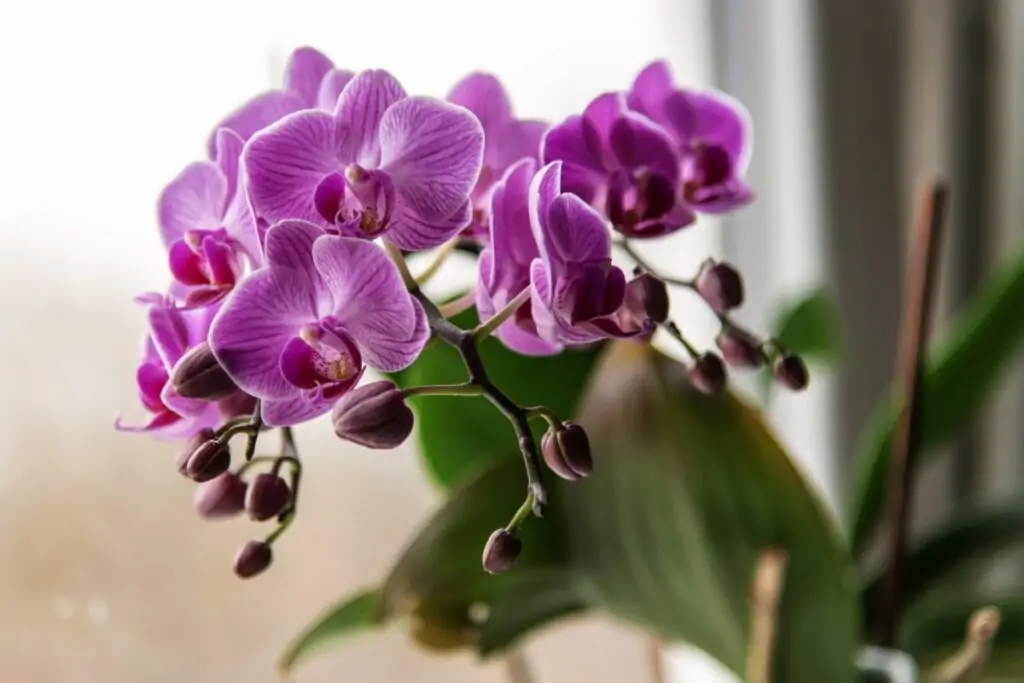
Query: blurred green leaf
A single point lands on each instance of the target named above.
(962, 373)
(948, 550)
(936, 631)
(687, 492)
(356, 614)
(809, 326)
(462, 435)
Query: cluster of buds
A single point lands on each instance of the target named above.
(286, 253)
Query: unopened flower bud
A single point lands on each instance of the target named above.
(267, 496)
(374, 415)
(502, 551)
(567, 451)
(720, 285)
(198, 375)
(708, 374)
(210, 460)
(190, 446)
(790, 370)
(654, 296)
(221, 497)
(739, 348)
(253, 558)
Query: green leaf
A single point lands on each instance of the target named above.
(687, 492)
(945, 552)
(936, 631)
(356, 614)
(462, 435)
(807, 326)
(439, 580)
(961, 375)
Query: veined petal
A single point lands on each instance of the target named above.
(485, 307)
(257, 114)
(287, 412)
(334, 81)
(544, 188)
(715, 119)
(371, 302)
(194, 200)
(228, 157)
(511, 235)
(306, 69)
(650, 88)
(483, 94)
(287, 161)
(598, 118)
(576, 232)
(289, 244)
(359, 113)
(240, 223)
(582, 173)
(638, 143)
(168, 333)
(524, 342)
(411, 232)
(264, 311)
(432, 150)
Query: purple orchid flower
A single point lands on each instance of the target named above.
(297, 332)
(711, 131)
(310, 81)
(623, 164)
(578, 296)
(504, 267)
(172, 332)
(207, 225)
(506, 139)
(381, 164)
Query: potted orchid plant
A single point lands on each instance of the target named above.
(583, 468)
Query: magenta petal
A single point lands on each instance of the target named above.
(240, 224)
(412, 233)
(483, 94)
(168, 332)
(637, 143)
(306, 69)
(524, 342)
(581, 173)
(194, 200)
(432, 151)
(714, 119)
(328, 197)
(334, 81)
(598, 118)
(258, 319)
(511, 235)
(485, 307)
(292, 411)
(650, 88)
(513, 141)
(359, 114)
(256, 114)
(287, 161)
(289, 245)
(371, 302)
(576, 232)
(297, 361)
(228, 157)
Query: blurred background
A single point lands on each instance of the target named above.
(105, 572)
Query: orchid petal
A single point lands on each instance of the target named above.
(650, 88)
(287, 161)
(287, 412)
(483, 94)
(638, 143)
(334, 81)
(194, 200)
(257, 114)
(306, 69)
(359, 115)
(576, 232)
(228, 158)
(582, 174)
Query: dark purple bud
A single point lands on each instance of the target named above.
(374, 415)
(502, 551)
(720, 285)
(790, 370)
(221, 497)
(198, 375)
(210, 460)
(267, 496)
(708, 374)
(739, 348)
(190, 446)
(253, 559)
(567, 451)
(654, 296)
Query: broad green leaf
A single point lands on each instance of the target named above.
(360, 612)
(808, 326)
(687, 492)
(935, 631)
(961, 375)
(942, 554)
(462, 435)
(439, 580)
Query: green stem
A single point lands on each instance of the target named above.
(486, 328)
(674, 330)
(403, 268)
(440, 257)
(639, 260)
(463, 303)
(521, 514)
(546, 413)
(444, 390)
